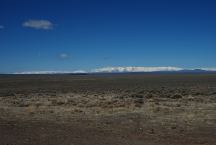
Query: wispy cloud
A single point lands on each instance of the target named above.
(64, 56)
(38, 24)
(136, 69)
(2, 27)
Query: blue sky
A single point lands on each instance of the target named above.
(87, 34)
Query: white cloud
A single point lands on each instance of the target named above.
(38, 24)
(2, 27)
(64, 56)
(136, 69)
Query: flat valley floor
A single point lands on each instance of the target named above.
(118, 109)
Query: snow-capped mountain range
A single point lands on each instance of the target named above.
(130, 69)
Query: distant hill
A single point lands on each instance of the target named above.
(118, 70)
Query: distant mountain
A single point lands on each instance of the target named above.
(194, 70)
(198, 71)
(152, 70)
(135, 69)
(128, 70)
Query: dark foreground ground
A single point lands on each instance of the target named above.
(135, 109)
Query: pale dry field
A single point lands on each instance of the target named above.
(135, 109)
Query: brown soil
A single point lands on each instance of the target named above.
(135, 109)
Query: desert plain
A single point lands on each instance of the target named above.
(108, 109)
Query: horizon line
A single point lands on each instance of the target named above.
(119, 69)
